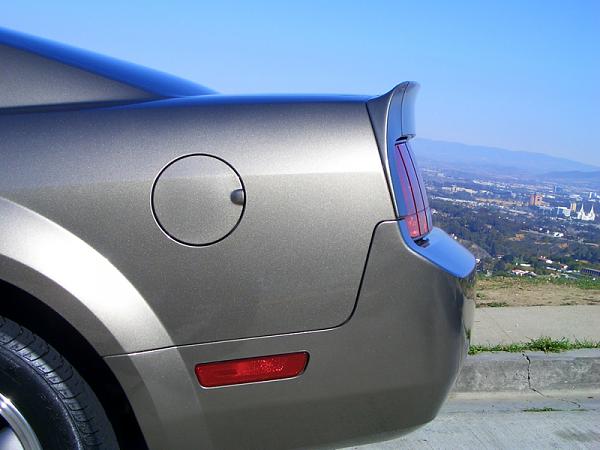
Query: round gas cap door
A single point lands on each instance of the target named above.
(198, 199)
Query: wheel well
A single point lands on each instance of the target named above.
(33, 314)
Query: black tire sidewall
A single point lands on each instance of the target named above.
(39, 403)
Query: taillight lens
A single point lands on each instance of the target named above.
(408, 185)
(250, 370)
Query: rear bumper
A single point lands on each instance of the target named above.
(384, 372)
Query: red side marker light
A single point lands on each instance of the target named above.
(251, 370)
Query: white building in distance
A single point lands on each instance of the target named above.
(582, 215)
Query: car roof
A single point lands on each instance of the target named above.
(105, 78)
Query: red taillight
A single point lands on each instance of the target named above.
(250, 370)
(412, 222)
(413, 192)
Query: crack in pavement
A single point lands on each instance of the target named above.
(529, 376)
(540, 393)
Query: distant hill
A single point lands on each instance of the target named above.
(589, 176)
(575, 177)
(496, 161)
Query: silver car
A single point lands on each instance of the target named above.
(181, 269)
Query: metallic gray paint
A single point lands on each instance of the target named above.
(31, 75)
(392, 115)
(192, 199)
(384, 372)
(77, 231)
(72, 278)
(39, 74)
(314, 190)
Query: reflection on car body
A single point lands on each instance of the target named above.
(220, 271)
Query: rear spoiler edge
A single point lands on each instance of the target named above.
(393, 119)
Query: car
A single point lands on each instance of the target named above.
(183, 269)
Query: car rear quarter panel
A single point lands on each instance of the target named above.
(76, 281)
(315, 189)
(382, 373)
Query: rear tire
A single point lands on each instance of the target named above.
(51, 396)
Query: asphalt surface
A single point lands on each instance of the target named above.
(520, 324)
(523, 421)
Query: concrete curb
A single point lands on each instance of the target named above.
(530, 371)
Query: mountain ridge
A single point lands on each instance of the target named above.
(469, 157)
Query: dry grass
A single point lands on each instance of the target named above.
(516, 291)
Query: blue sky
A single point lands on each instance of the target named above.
(512, 74)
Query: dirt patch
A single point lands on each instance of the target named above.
(498, 292)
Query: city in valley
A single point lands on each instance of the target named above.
(517, 222)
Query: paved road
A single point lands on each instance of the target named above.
(520, 324)
(490, 422)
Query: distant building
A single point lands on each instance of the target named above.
(587, 217)
(591, 272)
(536, 200)
(574, 206)
(521, 273)
(455, 188)
(561, 211)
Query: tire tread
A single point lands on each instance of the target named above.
(77, 397)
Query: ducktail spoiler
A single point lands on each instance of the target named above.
(392, 114)
(393, 120)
